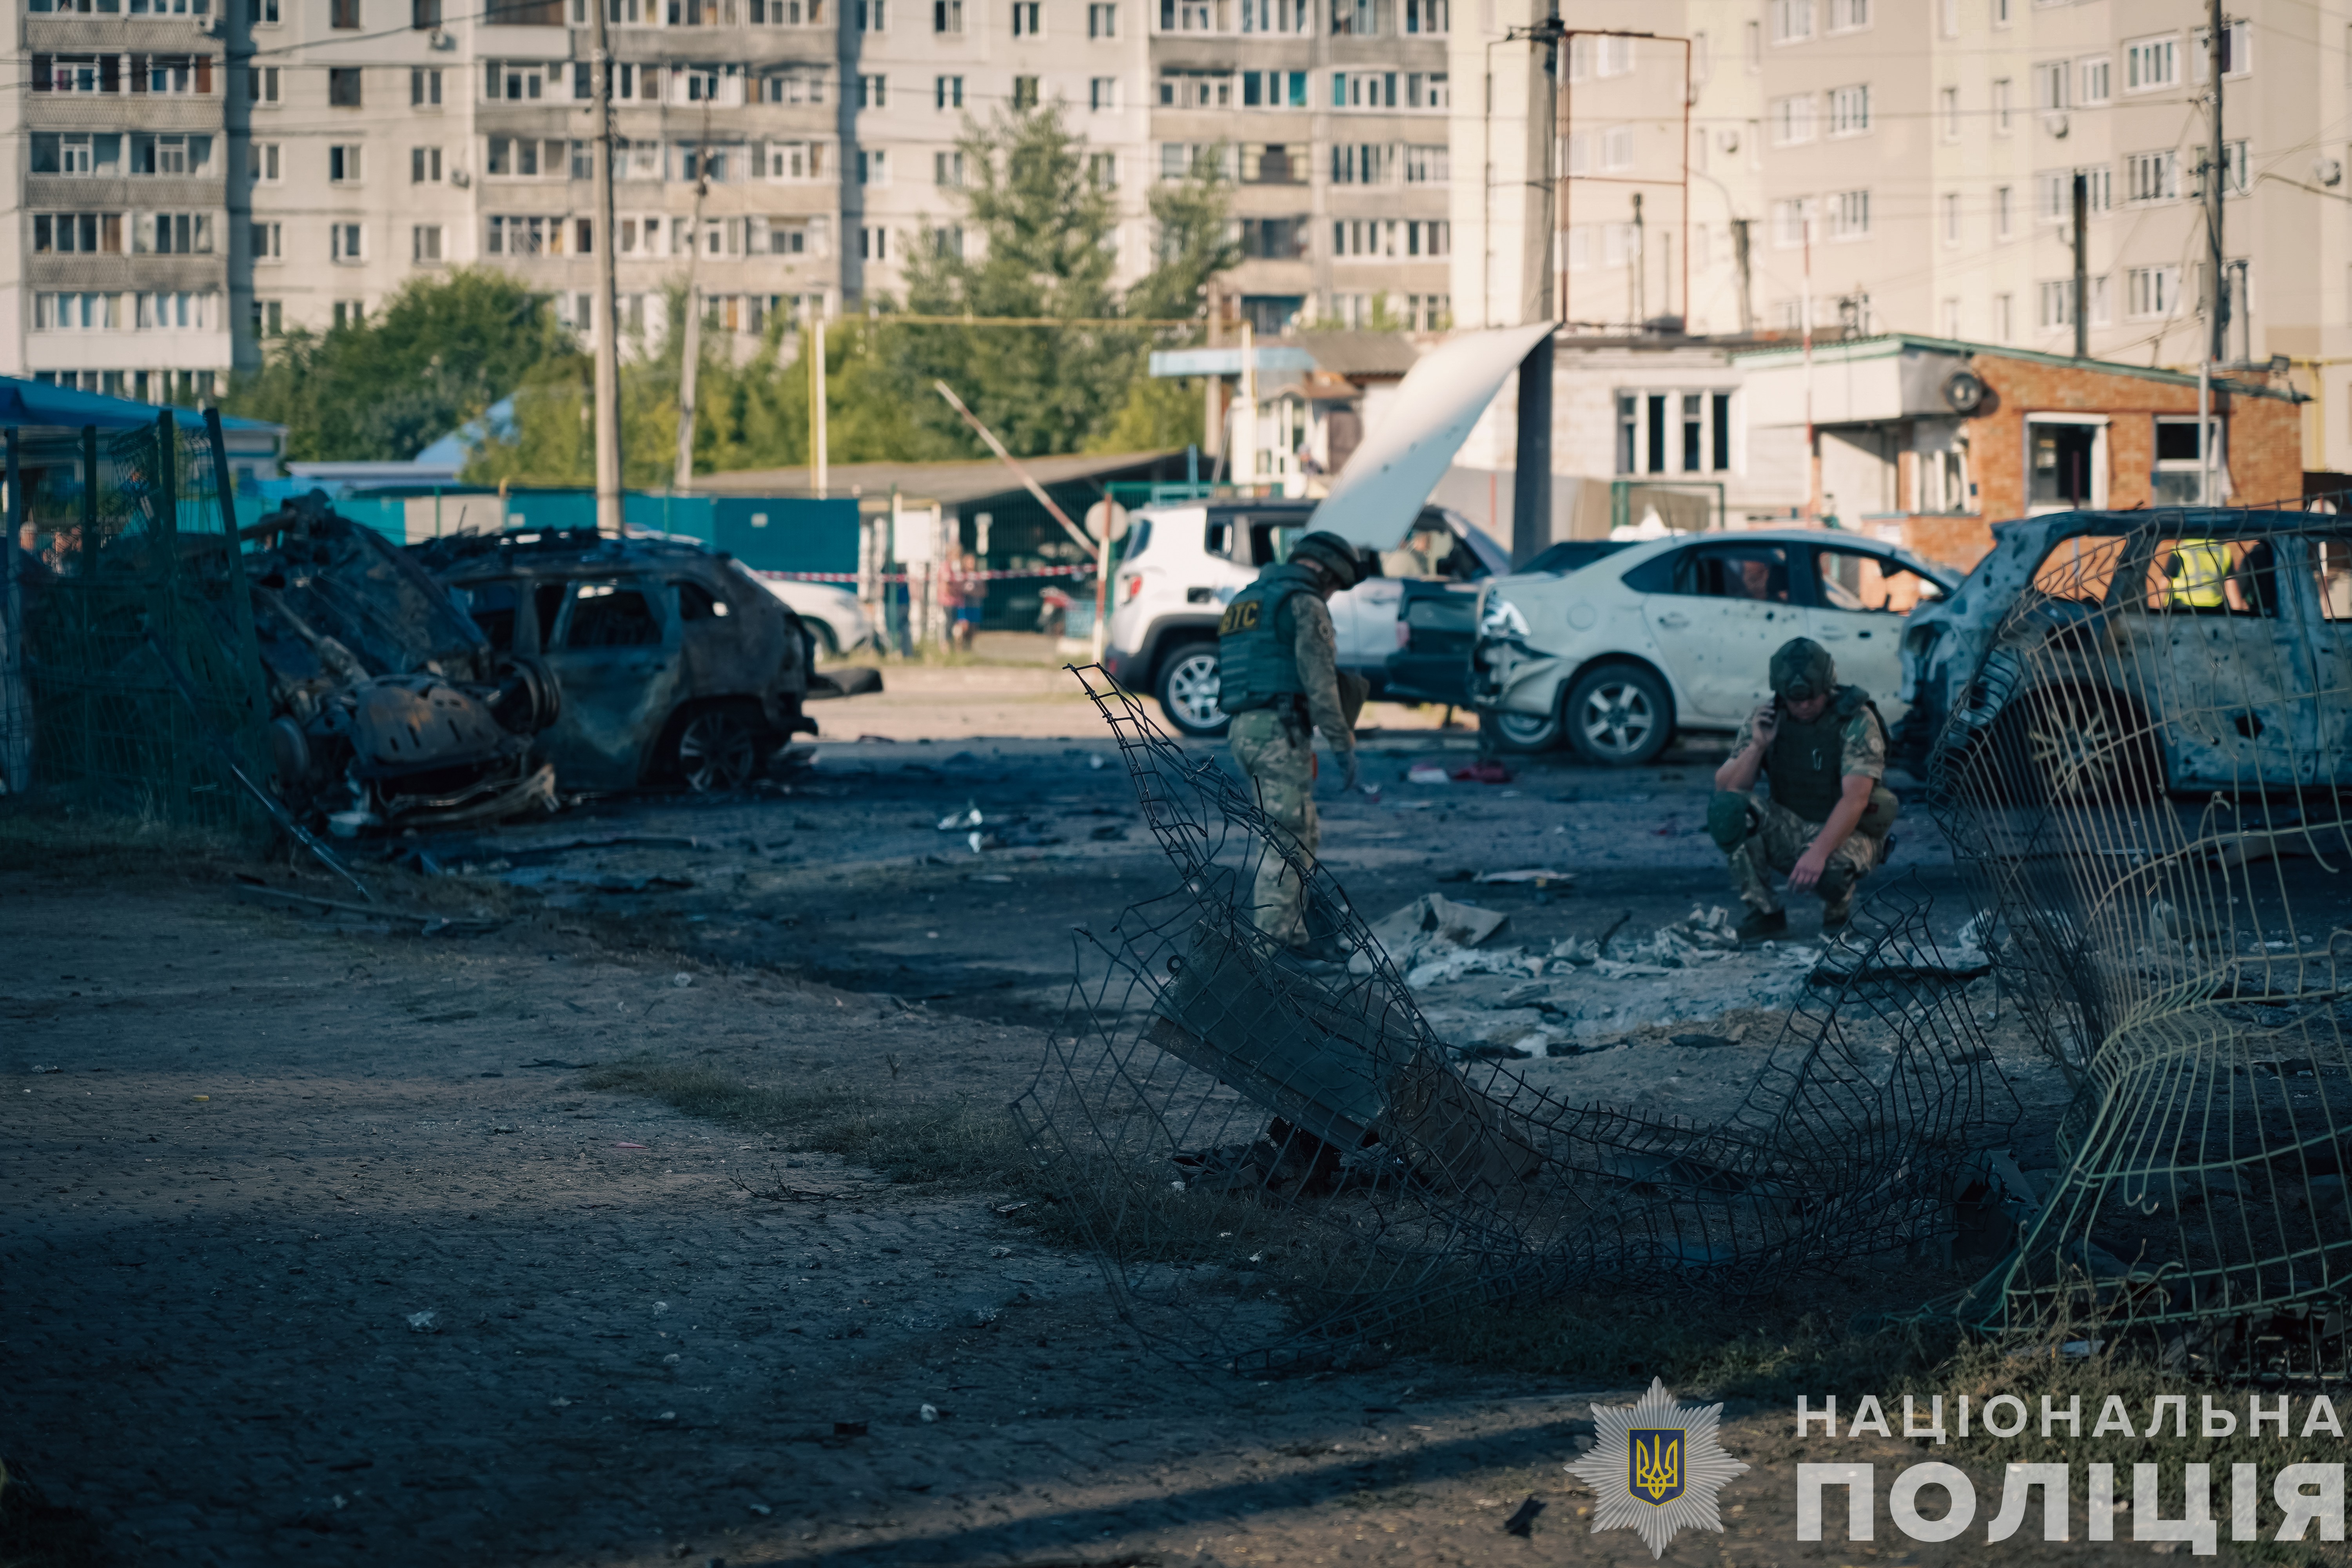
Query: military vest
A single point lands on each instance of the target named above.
(1806, 764)
(1258, 641)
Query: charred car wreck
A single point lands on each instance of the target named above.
(677, 665)
(389, 707)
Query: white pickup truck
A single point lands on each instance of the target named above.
(1183, 561)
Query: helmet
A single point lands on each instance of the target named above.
(1338, 559)
(1802, 669)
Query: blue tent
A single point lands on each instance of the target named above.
(33, 402)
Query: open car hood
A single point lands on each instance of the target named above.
(1378, 496)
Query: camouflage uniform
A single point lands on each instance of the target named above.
(1779, 837)
(1276, 750)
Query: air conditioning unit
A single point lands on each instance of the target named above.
(2327, 171)
(459, 178)
(210, 27)
(2054, 122)
(439, 40)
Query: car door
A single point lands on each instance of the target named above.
(1718, 613)
(615, 654)
(1861, 599)
(1365, 617)
(2235, 703)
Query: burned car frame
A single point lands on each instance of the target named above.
(675, 664)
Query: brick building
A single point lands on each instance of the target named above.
(1928, 441)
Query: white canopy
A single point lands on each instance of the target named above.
(1381, 492)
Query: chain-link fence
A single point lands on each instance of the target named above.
(134, 547)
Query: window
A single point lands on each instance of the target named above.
(1948, 19)
(343, 164)
(1360, 18)
(1192, 16)
(1262, 163)
(425, 242)
(1102, 171)
(1755, 571)
(261, 161)
(2152, 291)
(872, 16)
(350, 313)
(1694, 432)
(613, 613)
(1262, 15)
(785, 12)
(78, 73)
(2058, 193)
(1274, 238)
(584, 160)
(946, 92)
(1024, 94)
(261, 84)
(268, 317)
(521, 236)
(423, 15)
(178, 74)
(947, 16)
(425, 89)
(2004, 211)
(167, 234)
(1617, 148)
(1792, 120)
(792, 87)
(2001, 117)
(2050, 87)
(2004, 326)
(1948, 104)
(873, 245)
(946, 169)
(1849, 214)
(65, 233)
(2098, 77)
(1428, 16)
(1849, 110)
(347, 241)
(1951, 318)
(1028, 18)
(1421, 90)
(2058, 304)
(873, 91)
(1195, 90)
(344, 13)
(1951, 205)
(1751, 51)
(1792, 20)
(1427, 165)
(873, 166)
(2150, 63)
(344, 87)
(2237, 57)
(1859, 581)
(1102, 93)
(2233, 170)
(795, 160)
(424, 166)
(1790, 220)
(1102, 21)
(1359, 163)
(1845, 15)
(56, 154)
(2152, 176)
(260, 13)
(1364, 90)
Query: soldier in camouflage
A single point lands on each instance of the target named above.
(1824, 748)
(1278, 666)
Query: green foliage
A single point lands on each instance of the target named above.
(437, 355)
(1040, 240)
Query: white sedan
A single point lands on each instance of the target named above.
(1677, 632)
(839, 621)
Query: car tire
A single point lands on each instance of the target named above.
(1620, 715)
(719, 747)
(828, 641)
(2069, 745)
(1525, 733)
(1186, 687)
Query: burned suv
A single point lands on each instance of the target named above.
(675, 665)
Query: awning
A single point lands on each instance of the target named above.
(27, 403)
(1381, 492)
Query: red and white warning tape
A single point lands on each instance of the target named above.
(902, 577)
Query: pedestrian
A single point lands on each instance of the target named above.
(1822, 747)
(1278, 662)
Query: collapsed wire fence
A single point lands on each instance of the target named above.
(133, 540)
(1282, 1165)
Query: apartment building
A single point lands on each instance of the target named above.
(115, 271)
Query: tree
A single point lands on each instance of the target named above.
(439, 355)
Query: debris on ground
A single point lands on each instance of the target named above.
(1539, 878)
(1426, 774)
(1430, 927)
(1491, 773)
(959, 821)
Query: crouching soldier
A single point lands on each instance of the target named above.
(1278, 660)
(1823, 747)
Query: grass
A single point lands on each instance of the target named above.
(959, 1143)
(49, 836)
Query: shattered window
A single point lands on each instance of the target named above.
(697, 603)
(494, 606)
(2332, 574)
(2213, 576)
(1858, 580)
(611, 614)
(1736, 572)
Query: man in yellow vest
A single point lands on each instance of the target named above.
(1822, 747)
(2197, 575)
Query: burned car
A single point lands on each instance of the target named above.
(674, 664)
(388, 706)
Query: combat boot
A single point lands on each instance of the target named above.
(1762, 923)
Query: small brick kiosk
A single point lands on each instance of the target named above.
(1928, 441)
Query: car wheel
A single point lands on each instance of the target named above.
(2073, 745)
(1524, 732)
(717, 750)
(1620, 715)
(828, 641)
(1187, 688)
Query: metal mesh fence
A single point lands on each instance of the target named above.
(1279, 1164)
(2145, 783)
(134, 538)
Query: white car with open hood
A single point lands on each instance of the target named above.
(1617, 654)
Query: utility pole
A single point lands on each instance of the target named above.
(607, 323)
(2082, 266)
(690, 351)
(813, 348)
(1531, 476)
(2217, 299)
